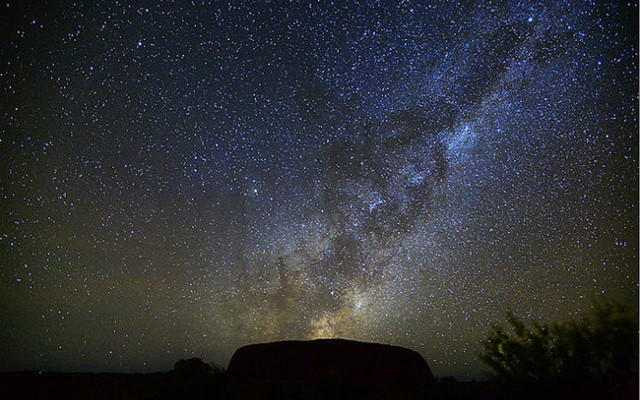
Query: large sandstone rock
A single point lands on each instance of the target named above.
(330, 360)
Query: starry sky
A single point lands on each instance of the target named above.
(181, 178)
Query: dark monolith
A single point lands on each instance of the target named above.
(336, 363)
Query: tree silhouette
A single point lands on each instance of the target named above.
(601, 346)
(191, 367)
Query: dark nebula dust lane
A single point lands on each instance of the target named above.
(180, 179)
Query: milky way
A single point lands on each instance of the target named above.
(180, 179)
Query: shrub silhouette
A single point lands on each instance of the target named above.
(216, 369)
(601, 346)
(191, 367)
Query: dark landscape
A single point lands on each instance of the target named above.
(168, 386)
(595, 358)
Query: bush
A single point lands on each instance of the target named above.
(191, 367)
(602, 345)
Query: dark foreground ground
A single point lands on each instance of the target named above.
(34, 385)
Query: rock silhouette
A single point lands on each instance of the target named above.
(330, 360)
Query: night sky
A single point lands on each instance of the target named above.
(183, 178)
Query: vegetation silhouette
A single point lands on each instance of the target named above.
(195, 379)
(196, 367)
(594, 356)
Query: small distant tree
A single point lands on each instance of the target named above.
(216, 369)
(191, 367)
(603, 344)
(195, 379)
